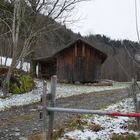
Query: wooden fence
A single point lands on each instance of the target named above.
(136, 98)
(48, 103)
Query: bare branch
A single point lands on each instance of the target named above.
(49, 13)
(1, 35)
(6, 24)
(131, 57)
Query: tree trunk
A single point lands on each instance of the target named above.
(5, 85)
(15, 37)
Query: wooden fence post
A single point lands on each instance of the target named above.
(44, 112)
(136, 99)
(138, 110)
(52, 104)
(134, 93)
(138, 105)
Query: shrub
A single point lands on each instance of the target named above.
(24, 84)
(20, 81)
(27, 82)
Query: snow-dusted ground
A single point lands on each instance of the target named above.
(63, 90)
(110, 125)
(26, 66)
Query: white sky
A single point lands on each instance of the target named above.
(114, 18)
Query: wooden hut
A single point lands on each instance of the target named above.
(44, 67)
(77, 62)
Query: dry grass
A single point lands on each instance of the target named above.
(17, 119)
(95, 127)
(124, 137)
(70, 125)
(25, 117)
(132, 125)
(35, 136)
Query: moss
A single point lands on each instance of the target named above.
(16, 90)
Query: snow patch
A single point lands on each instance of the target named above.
(62, 90)
(110, 125)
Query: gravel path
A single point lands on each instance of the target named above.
(20, 123)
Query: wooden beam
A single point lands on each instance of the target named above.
(75, 49)
(83, 49)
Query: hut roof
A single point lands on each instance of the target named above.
(101, 53)
(96, 47)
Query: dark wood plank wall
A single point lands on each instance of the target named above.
(79, 63)
(47, 69)
(92, 65)
(65, 65)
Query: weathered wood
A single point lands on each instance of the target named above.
(83, 49)
(83, 66)
(138, 110)
(47, 68)
(79, 69)
(44, 112)
(75, 48)
(136, 99)
(78, 62)
(134, 93)
(52, 104)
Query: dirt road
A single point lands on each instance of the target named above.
(20, 123)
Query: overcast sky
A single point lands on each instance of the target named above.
(114, 18)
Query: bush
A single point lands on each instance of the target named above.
(24, 84)
(20, 81)
(27, 83)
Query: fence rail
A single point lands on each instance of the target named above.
(86, 111)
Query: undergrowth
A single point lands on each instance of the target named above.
(124, 137)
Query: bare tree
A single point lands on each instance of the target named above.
(52, 9)
(15, 38)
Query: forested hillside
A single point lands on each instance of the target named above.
(123, 60)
